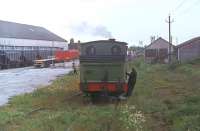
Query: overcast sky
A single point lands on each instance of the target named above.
(126, 20)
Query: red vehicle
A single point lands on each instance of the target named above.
(60, 56)
(66, 55)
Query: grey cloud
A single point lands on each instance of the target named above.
(84, 29)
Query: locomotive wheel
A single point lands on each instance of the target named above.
(100, 97)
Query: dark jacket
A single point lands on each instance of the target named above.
(132, 77)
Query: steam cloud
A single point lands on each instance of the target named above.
(85, 28)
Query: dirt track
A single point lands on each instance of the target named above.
(22, 80)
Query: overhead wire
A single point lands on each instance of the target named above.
(180, 5)
(189, 8)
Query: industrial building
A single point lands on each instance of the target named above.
(189, 50)
(21, 44)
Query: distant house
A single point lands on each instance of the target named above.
(73, 45)
(139, 53)
(189, 50)
(158, 51)
(135, 52)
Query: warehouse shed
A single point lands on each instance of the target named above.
(15, 34)
(189, 50)
(158, 51)
(21, 44)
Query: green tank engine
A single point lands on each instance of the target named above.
(103, 67)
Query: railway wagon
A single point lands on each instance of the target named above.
(58, 57)
(21, 56)
(103, 67)
(67, 55)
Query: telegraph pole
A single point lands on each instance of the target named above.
(169, 21)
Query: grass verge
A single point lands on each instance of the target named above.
(165, 98)
(170, 97)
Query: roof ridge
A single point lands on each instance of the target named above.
(20, 23)
(189, 41)
(104, 41)
(157, 40)
(25, 31)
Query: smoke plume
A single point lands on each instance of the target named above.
(85, 29)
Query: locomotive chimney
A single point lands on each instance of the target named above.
(112, 39)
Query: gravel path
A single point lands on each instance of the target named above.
(22, 80)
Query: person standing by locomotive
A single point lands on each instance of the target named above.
(74, 67)
(131, 81)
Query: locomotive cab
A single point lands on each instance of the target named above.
(103, 67)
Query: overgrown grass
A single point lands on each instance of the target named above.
(53, 109)
(168, 98)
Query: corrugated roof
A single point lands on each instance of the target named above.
(23, 31)
(189, 42)
(160, 38)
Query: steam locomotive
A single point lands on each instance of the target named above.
(103, 67)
